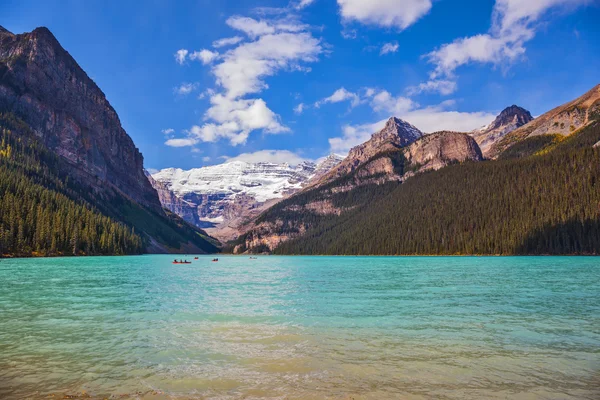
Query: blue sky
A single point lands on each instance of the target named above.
(298, 80)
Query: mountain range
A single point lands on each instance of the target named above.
(73, 182)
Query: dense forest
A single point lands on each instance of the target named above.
(45, 212)
(542, 197)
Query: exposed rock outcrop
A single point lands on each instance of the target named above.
(43, 85)
(508, 120)
(395, 134)
(439, 149)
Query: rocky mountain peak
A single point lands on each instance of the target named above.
(510, 119)
(396, 131)
(513, 115)
(5, 32)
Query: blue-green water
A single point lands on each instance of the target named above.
(301, 328)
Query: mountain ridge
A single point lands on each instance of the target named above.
(51, 107)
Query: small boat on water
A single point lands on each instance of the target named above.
(215, 259)
(195, 258)
(181, 262)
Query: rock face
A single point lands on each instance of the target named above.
(390, 164)
(395, 134)
(439, 149)
(508, 120)
(226, 194)
(43, 85)
(562, 120)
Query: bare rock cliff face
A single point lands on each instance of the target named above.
(508, 120)
(395, 134)
(439, 149)
(42, 84)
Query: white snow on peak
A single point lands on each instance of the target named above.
(263, 181)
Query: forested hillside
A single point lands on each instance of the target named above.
(45, 212)
(544, 198)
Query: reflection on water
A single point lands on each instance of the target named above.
(301, 328)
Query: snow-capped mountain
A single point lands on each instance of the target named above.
(221, 193)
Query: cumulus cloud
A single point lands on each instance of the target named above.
(185, 88)
(383, 101)
(299, 109)
(275, 44)
(339, 96)
(384, 13)
(168, 131)
(514, 23)
(181, 55)
(181, 142)
(204, 55)
(272, 156)
(389, 48)
(227, 42)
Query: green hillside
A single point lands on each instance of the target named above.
(43, 211)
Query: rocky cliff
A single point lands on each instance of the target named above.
(439, 149)
(44, 86)
(563, 120)
(508, 120)
(55, 108)
(395, 134)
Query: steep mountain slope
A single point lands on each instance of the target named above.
(395, 134)
(223, 196)
(539, 204)
(349, 193)
(563, 120)
(51, 107)
(508, 120)
(43, 85)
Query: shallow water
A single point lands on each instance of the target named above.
(301, 328)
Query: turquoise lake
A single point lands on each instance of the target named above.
(300, 328)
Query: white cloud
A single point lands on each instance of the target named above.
(168, 131)
(514, 23)
(181, 142)
(299, 109)
(442, 86)
(180, 56)
(384, 13)
(303, 3)
(340, 95)
(185, 88)
(275, 44)
(244, 68)
(385, 102)
(227, 42)
(204, 55)
(206, 159)
(272, 156)
(255, 28)
(235, 119)
(389, 48)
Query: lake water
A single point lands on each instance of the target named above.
(301, 328)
